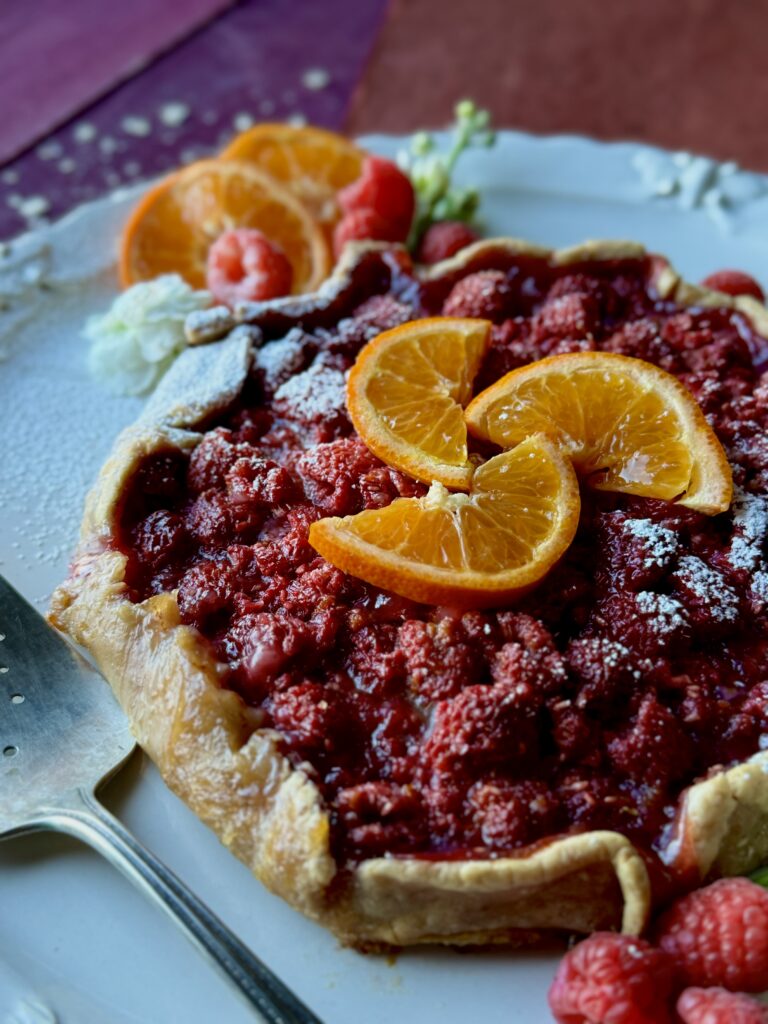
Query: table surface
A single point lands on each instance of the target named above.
(111, 100)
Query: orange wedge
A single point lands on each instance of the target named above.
(406, 394)
(477, 549)
(627, 425)
(174, 225)
(312, 163)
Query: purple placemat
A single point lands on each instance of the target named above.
(61, 56)
(262, 60)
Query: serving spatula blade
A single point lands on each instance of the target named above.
(61, 734)
(61, 728)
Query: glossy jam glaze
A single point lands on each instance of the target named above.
(635, 668)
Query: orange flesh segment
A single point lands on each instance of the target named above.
(406, 394)
(627, 425)
(311, 162)
(469, 550)
(175, 224)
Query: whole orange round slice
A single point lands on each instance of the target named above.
(406, 394)
(627, 425)
(311, 162)
(478, 549)
(177, 221)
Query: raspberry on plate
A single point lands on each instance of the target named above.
(719, 935)
(734, 282)
(244, 266)
(365, 223)
(613, 979)
(443, 240)
(383, 189)
(717, 1006)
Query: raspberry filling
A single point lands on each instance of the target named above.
(636, 667)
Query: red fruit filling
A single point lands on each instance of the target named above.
(636, 666)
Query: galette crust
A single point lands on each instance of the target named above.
(212, 753)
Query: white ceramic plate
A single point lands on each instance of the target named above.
(77, 944)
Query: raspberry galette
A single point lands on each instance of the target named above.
(409, 773)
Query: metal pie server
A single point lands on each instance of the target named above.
(62, 733)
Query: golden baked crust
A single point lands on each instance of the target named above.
(208, 747)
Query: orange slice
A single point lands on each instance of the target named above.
(174, 225)
(476, 549)
(406, 394)
(627, 425)
(312, 163)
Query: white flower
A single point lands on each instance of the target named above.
(134, 343)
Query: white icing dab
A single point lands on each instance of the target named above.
(660, 542)
(750, 528)
(709, 586)
(666, 613)
(698, 181)
(137, 339)
(317, 393)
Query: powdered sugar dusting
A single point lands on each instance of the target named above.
(759, 586)
(708, 586)
(279, 360)
(316, 394)
(613, 654)
(750, 527)
(659, 542)
(666, 613)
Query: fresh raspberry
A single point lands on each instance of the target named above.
(444, 239)
(719, 935)
(382, 189)
(717, 1006)
(244, 266)
(734, 282)
(483, 294)
(365, 224)
(613, 979)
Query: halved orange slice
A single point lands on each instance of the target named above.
(627, 425)
(175, 224)
(477, 549)
(406, 394)
(311, 162)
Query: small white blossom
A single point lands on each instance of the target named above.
(137, 339)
